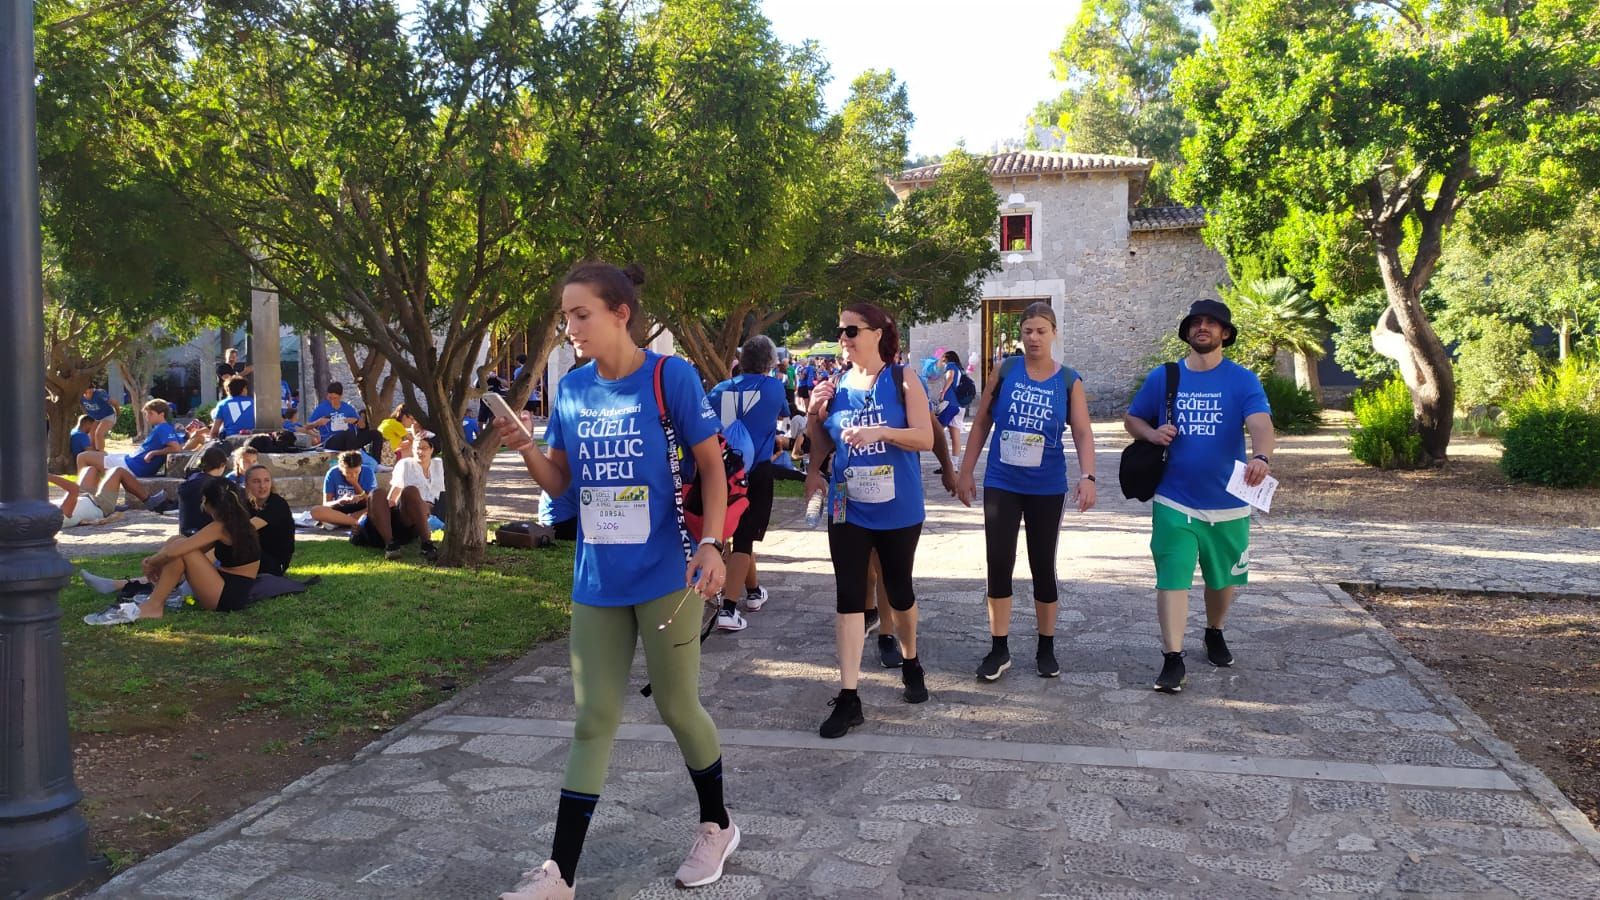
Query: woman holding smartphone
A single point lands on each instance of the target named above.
(629, 576)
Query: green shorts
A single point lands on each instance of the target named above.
(1177, 541)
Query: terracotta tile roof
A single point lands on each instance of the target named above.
(1035, 162)
(1166, 218)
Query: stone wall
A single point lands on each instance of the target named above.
(1115, 291)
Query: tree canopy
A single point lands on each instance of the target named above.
(1329, 123)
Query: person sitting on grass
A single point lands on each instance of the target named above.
(212, 465)
(102, 413)
(243, 458)
(273, 519)
(416, 483)
(346, 492)
(144, 463)
(81, 438)
(223, 586)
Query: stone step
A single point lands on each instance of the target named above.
(281, 465)
(301, 491)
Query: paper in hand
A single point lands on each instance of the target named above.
(1259, 496)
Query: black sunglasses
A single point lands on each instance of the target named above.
(854, 331)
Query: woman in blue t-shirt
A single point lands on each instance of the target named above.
(949, 408)
(874, 496)
(1032, 401)
(606, 439)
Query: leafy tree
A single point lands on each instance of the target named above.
(1392, 116)
(1279, 314)
(1116, 62)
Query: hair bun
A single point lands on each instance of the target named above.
(635, 273)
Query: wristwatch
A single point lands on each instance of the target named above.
(1089, 477)
(713, 542)
(1263, 458)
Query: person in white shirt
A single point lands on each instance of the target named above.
(415, 486)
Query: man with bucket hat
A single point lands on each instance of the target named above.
(1193, 517)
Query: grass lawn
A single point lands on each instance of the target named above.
(795, 490)
(180, 722)
(360, 648)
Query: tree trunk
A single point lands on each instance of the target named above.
(319, 366)
(1425, 367)
(1564, 342)
(466, 479)
(1306, 375)
(61, 415)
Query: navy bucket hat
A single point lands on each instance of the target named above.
(1216, 309)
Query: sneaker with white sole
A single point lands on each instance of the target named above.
(713, 845)
(543, 883)
(754, 600)
(156, 500)
(730, 620)
(116, 614)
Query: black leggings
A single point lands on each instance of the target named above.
(1003, 511)
(851, 547)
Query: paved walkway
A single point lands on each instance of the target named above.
(1326, 762)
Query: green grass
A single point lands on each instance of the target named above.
(373, 642)
(792, 489)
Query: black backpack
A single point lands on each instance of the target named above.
(966, 389)
(1143, 463)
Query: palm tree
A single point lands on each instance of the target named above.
(1280, 315)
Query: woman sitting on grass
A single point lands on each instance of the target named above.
(223, 586)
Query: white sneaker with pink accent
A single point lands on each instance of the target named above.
(543, 883)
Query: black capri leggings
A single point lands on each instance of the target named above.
(1003, 511)
(851, 547)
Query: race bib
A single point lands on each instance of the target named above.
(1020, 448)
(337, 423)
(615, 515)
(869, 484)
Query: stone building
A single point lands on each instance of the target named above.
(1071, 233)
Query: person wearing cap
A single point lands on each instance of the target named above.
(1194, 518)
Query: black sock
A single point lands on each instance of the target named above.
(708, 785)
(911, 662)
(1047, 643)
(572, 823)
(847, 692)
(1002, 643)
(729, 606)
(753, 591)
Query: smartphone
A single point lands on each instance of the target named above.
(501, 409)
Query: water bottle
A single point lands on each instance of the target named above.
(814, 509)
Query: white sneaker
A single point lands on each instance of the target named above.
(119, 614)
(730, 620)
(754, 601)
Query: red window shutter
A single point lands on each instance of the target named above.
(1027, 232)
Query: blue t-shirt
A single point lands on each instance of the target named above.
(1210, 410)
(1027, 449)
(629, 547)
(326, 409)
(559, 509)
(97, 406)
(81, 441)
(469, 426)
(884, 481)
(336, 484)
(756, 400)
(159, 436)
(807, 376)
(237, 414)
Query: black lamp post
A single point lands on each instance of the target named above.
(44, 841)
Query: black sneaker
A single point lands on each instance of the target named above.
(916, 687)
(430, 551)
(873, 621)
(845, 716)
(1217, 649)
(392, 551)
(1172, 676)
(1046, 661)
(889, 652)
(994, 665)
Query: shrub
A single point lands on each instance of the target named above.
(127, 420)
(1294, 410)
(1494, 368)
(1552, 434)
(1386, 432)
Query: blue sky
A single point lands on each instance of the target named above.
(973, 70)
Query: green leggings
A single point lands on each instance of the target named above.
(602, 645)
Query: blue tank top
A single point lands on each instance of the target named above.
(1027, 449)
(878, 486)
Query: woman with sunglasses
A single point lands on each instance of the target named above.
(874, 497)
(606, 439)
(1031, 401)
